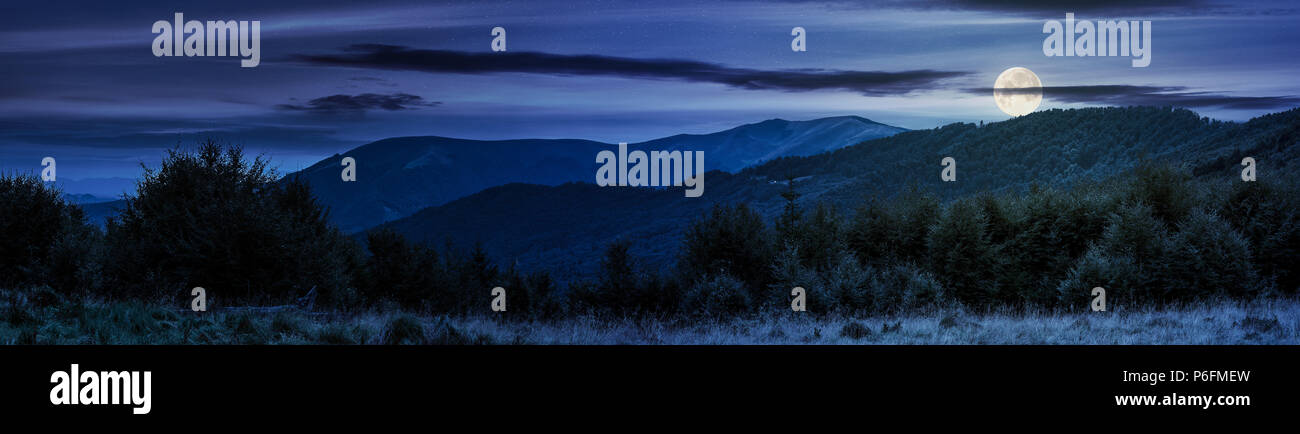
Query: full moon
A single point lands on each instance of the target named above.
(1017, 102)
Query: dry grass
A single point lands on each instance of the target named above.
(1226, 323)
(36, 317)
(42, 317)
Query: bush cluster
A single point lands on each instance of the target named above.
(1154, 235)
(212, 218)
(44, 240)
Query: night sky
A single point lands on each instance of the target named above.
(81, 84)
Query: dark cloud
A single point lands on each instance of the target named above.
(97, 13)
(362, 102)
(90, 135)
(1063, 6)
(1177, 96)
(1039, 7)
(872, 83)
(373, 80)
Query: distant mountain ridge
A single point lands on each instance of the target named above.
(751, 144)
(85, 198)
(94, 189)
(565, 228)
(398, 176)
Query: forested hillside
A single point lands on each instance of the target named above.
(563, 228)
(1162, 228)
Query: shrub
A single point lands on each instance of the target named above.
(787, 224)
(962, 256)
(1267, 213)
(547, 301)
(1083, 217)
(1136, 236)
(476, 275)
(1209, 257)
(618, 286)
(1000, 224)
(731, 240)
(905, 287)
(717, 295)
(519, 295)
(918, 211)
(403, 329)
(325, 256)
(620, 289)
(1131, 261)
(788, 272)
(1052, 230)
(819, 237)
(211, 218)
(43, 239)
(895, 231)
(583, 297)
(665, 294)
(849, 282)
(1032, 254)
(870, 233)
(1119, 275)
(408, 274)
(1167, 190)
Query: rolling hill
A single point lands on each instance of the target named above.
(397, 177)
(564, 228)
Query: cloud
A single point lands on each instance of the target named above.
(871, 83)
(1065, 5)
(1054, 7)
(1177, 96)
(362, 102)
(374, 80)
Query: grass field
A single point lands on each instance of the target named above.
(42, 317)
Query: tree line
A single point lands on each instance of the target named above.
(214, 218)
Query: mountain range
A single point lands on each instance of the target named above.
(565, 228)
(398, 176)
(533, 203)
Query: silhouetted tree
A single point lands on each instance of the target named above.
(962, 256)
(730, 239)
(214, 219)
(44, 240)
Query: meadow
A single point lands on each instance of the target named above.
(42, 317)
